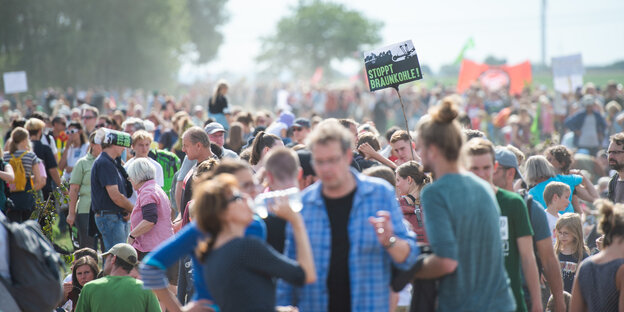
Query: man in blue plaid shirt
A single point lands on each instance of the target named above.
(355, 228)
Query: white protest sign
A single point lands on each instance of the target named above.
(568, 73)
(15, 82)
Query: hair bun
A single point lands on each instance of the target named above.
(446, 111)
(607, 219)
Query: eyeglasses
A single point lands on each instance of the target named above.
(235, 197)
(72, 131)
(87, 117)
(563, 234)
(614, 152)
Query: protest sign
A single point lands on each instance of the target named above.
(568, 73)
(15, 82)
(392, 65)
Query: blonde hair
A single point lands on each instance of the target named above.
(34, 125)
(554, 188)
(18, 135)
(141, 135)
(217, 91)
(572, 221)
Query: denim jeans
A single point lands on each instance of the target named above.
(113, 228)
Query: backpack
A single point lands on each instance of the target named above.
(35, 267)
(170, 164)
(19, 182)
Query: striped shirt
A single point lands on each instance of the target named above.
(29, 160)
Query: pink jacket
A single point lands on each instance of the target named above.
(150, 192)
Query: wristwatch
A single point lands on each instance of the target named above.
(391, 242)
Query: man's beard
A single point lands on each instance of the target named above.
(615, 165)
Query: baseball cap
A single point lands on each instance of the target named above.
(506, 158)
(214, 127)
(125, 252)
(301, 123)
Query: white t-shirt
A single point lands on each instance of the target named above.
(74, 153)
(160, 179)
(552, 221)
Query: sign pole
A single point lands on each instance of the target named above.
(406, 124)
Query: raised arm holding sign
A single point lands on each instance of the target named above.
(392, 66)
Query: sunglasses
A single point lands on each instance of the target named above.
(88, 117)
(72, 131)
(297, 129)
(235, 197)
(98, 126)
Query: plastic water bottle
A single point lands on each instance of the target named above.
(265, 200)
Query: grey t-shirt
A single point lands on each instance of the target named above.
(240, 274)
(619, 191)
(589, 135)
(187, 165)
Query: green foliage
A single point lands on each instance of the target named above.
(204, 15)
(316, 33)
(106, 43)
(45, 211)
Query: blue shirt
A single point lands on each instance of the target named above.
(105, 173)
(184, 243)
(572, 180)
(462, 220)
(369, 263)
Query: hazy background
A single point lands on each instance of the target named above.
(439, 29)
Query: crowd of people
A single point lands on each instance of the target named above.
(489, 202)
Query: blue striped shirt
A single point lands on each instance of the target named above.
(369, 263)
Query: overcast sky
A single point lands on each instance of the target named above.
(439, 29)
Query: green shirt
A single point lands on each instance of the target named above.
(81, 175)
(514, 223)
(116, 293)
(462, 220)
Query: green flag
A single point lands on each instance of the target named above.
(468, 45)
(535, 127)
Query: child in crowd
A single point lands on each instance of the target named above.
(556, 196)
(410, 179)
(570, 247)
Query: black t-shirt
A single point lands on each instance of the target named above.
(44, 152)
(104, 172)
(338, 280)
(167, 139)
(569, 265)
(218, 106)
(276, 232)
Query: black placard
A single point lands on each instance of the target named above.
(392, 65)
